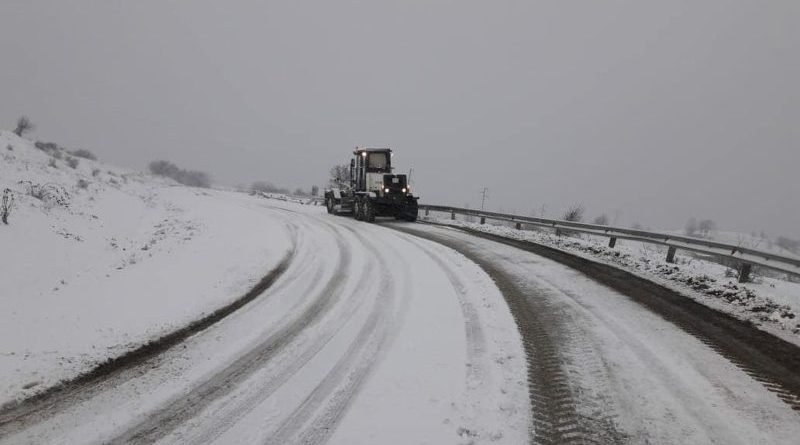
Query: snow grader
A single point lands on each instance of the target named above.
(371, 189)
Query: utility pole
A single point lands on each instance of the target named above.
(483, 199)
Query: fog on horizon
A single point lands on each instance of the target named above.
(650, 112)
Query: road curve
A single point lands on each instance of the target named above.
(633, 366)
(366, 331)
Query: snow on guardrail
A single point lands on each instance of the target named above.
(744, 256)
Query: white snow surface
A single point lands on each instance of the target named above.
(773, 304)
(369, 336)
(631, 368)
(125, 261)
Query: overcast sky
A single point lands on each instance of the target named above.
(649, 111)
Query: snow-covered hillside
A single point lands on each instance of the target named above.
(96, 261)
(366, 335)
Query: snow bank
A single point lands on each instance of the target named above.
(767, 302)
(97, 261)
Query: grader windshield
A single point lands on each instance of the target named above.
(378, 161)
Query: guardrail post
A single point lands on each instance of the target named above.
(519, 226)
(453, 214)
(427, 211)
(671, 255)
(612, 242)
(744, 272)
(483, 220)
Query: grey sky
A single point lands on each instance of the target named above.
(653, 111)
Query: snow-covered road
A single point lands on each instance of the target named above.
(398, 333)
(606, 368)
(369, 336)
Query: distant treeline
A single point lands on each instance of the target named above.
(268, 187)
(192, 178)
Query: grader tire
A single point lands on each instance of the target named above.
(369, 211)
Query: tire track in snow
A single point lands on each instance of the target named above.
(556, 417)
(476, 340)
(225, 417)
(315, 420)
(16, 417)
(766, 359)
(184, 407)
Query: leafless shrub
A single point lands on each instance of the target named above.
(300, 192)
(163, 168)
(72, 162)
(83, 153)
(194, 178)
(601, 220)
(191, 178)
(46, 146)
(48, 193)
(574, 213)
(314, 190)
(24, 125)
(6, 205)
(51, 148)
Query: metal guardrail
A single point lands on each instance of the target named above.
(745, 257)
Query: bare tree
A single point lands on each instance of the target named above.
(340, 176)
(314, 190)
(601, 220)
(706, 227)
(24, 125)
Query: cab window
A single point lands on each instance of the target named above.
(377, 161)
